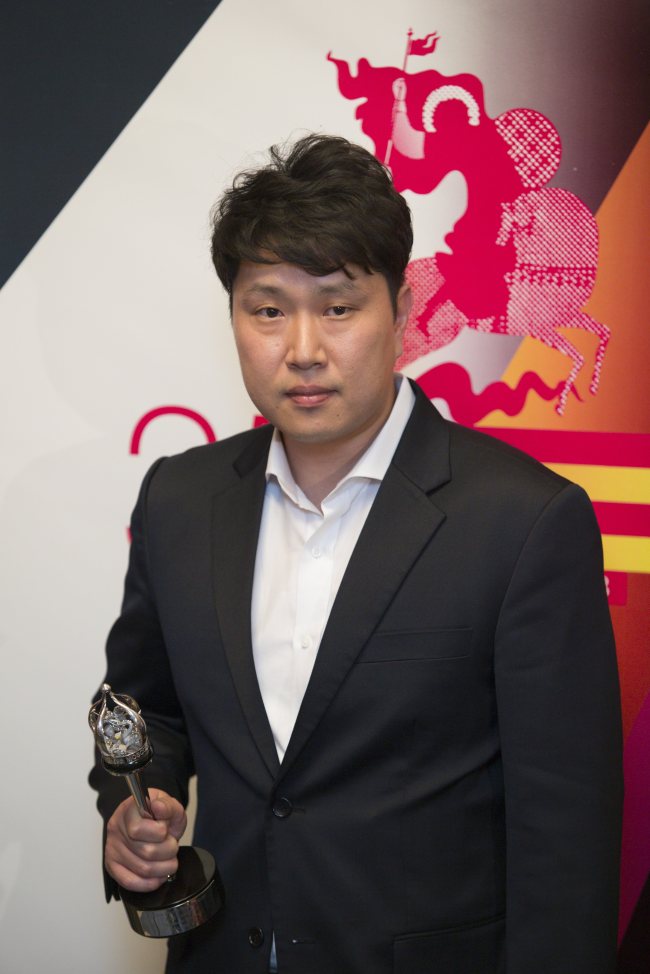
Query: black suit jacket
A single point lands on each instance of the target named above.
(453, 781)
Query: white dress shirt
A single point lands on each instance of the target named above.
(302, 554)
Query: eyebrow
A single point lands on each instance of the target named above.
(264, 289)
(345, 286)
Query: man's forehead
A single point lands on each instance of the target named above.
(276, 277)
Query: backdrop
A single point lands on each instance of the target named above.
(517, 133)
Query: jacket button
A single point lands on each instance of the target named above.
(255, 937)
(282, 808)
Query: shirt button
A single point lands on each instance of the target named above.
(282, 808)
(305, 642)
(255, 937)
(316, 551)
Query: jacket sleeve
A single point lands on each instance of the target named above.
(559, 722)
(137, 664)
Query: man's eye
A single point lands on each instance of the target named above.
(338, 310)
(269, 312)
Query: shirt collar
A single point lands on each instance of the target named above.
(371, 465)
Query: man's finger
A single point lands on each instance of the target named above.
(130, 879)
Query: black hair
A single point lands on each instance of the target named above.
(322, 204)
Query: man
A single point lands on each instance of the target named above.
(380, 640)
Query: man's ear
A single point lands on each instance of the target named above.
(404, 303)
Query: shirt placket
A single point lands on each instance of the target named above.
(315, 570)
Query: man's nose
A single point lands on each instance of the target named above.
(305, 347)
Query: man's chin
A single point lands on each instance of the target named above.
(303, 426)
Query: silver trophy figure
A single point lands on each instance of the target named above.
(195, 893)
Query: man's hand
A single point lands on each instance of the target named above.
(141, 852)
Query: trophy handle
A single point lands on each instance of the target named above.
(140, 793)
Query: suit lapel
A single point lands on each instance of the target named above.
(401, 522)
(235, 528)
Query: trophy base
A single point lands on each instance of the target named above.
(193, 896)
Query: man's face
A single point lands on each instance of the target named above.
(317, 353)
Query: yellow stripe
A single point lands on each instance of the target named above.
(625, 554)
(622, 485)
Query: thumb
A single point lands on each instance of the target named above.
(169, 810)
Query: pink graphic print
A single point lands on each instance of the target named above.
(523, 256)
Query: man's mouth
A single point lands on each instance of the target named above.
(309, 395)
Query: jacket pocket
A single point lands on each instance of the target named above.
(473, 948)
(417, 644)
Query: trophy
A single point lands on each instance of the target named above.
(195, 893)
